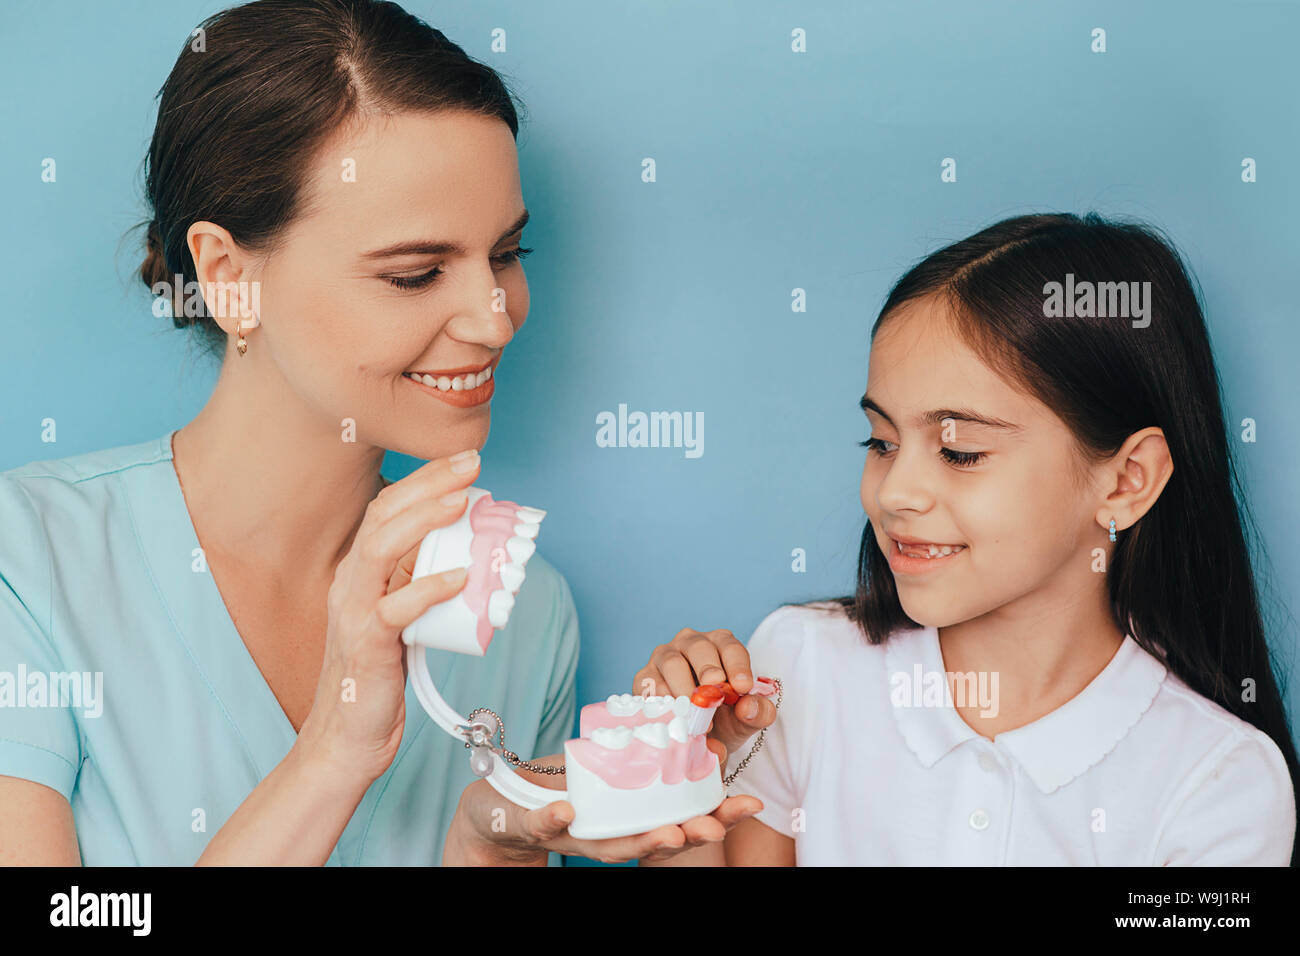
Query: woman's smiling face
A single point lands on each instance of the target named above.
(1009, 496)
(347, 312)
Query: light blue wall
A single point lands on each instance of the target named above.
(776, 170)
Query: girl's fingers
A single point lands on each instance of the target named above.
(677, 673)
(702, 653)
(395, 611)
(648, 682)
(734, 730)
(735, 658)
(763, 711)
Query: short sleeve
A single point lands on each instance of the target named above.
(1240, 813)
(775, 650)
(561, 693)
(39, 740)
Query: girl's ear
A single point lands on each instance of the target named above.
(1140, 469)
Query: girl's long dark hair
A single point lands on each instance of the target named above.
(1180, 580)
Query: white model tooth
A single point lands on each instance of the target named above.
(520, 549)
(531, 515)
(458, 384)
(512, 576)
(657, 706)
(946, 549)
(526, 530)
(500, 602)
(615, 738)
(429, 380)
(624, 705)
(682, 706)
(677, 729)
(656, 734)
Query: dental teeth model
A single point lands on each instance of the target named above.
(639, 762)
(494, 539)
(642, 762)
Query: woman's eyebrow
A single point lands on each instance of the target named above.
(429, 247)
(939, 416)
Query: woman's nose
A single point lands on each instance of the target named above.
(482, 315)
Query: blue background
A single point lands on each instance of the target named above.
(776, 170)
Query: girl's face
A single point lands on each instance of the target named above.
(959, 461)
(404, 259)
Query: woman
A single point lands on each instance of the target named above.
(350, 177)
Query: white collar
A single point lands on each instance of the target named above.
(1057, 747)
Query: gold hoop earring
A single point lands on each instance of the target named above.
(241, 343)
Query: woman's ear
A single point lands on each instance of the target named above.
(1135, 477)
(220, 266)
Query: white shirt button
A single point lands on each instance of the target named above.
(988, 762)
(979, 820)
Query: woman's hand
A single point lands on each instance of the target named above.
(711, 657)
(356, 720)
(489, 830)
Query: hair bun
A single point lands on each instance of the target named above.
(154, 270)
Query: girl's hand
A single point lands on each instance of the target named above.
(356, 720)
(693, 658)
(489, 830)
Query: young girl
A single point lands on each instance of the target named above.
(1055, 654)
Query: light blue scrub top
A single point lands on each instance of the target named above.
(96, 558)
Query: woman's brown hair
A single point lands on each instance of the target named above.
(256, 90)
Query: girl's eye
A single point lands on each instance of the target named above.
(959, 459)
(420, 281)
(962, 459)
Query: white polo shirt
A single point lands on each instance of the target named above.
(1136, 770)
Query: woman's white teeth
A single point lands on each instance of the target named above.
(460, 383)
(928, 551)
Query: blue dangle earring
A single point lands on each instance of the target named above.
(1112, 529)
